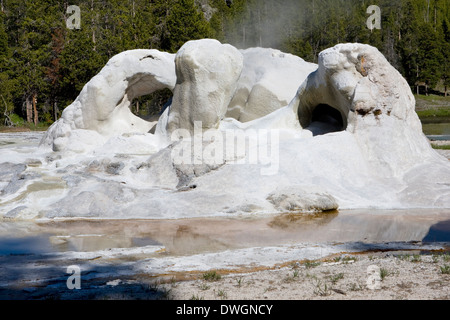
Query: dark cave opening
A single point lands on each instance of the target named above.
(325, 119)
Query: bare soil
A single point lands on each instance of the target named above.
(404, 276)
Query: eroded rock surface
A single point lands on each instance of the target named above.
(300, 199)
(102, 109)
(269, 80)
(207, 73)
(349, 138)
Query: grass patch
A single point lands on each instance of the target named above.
(355, 287)
(311, 264)
(404, 257)
(222, 294)
(431, 102)
(204, 287)
(440, 147)
(211, 276)
(335, 278)
(384, 273)
(20, 125)
(295, 275)
(433, 108)
(348, 259)
(239, 282)
(435, 258)
(445, 269)
(322, 289)
(434, 112)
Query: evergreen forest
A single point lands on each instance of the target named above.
(49, 51)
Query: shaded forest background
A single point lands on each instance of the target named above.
(44, 65)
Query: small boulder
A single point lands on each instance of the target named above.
(296, 198)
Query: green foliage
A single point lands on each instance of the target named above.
(184, 22)
(440, 147)
(384, 273)
(17, 120)
(445, 269)
(434, 113)
(211, 276)
(414, 34)
(3, 37)
(41, 58)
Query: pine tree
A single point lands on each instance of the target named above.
(446, 55)
(41, 59)
(52, 72)
(184, 22)
(3, 36)
(429, 57)
(5, 90)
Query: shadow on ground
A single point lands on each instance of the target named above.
(44, 277)
(439, 232)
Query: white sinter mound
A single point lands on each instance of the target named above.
(207, 72)
(230, 143)
(102, 110)
(269, 80)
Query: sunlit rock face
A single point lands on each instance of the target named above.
(356, 89)
(102, 109)
(348, 138)
(269, 80)
(207, 73)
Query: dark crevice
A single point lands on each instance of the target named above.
(325, 119)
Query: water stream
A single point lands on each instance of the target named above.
(205, 235)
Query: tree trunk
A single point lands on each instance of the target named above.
(35, 110)
(260, 28)
(55, 110)
(8, 121)
(417, 77)
(94, 47)
(29, 110)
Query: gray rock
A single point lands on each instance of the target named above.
(14, 212)
(297, 198)
(115, 168)
(14, 177)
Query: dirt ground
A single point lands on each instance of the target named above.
(403, 275)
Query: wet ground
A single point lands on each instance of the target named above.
(196, 236)
(120, 256)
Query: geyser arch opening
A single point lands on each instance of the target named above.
(326, 119)
(149, 107)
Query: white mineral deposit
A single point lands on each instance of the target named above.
(231, 143)
(257, 140)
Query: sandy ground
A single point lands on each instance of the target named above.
(405, 275)
(399, 275)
